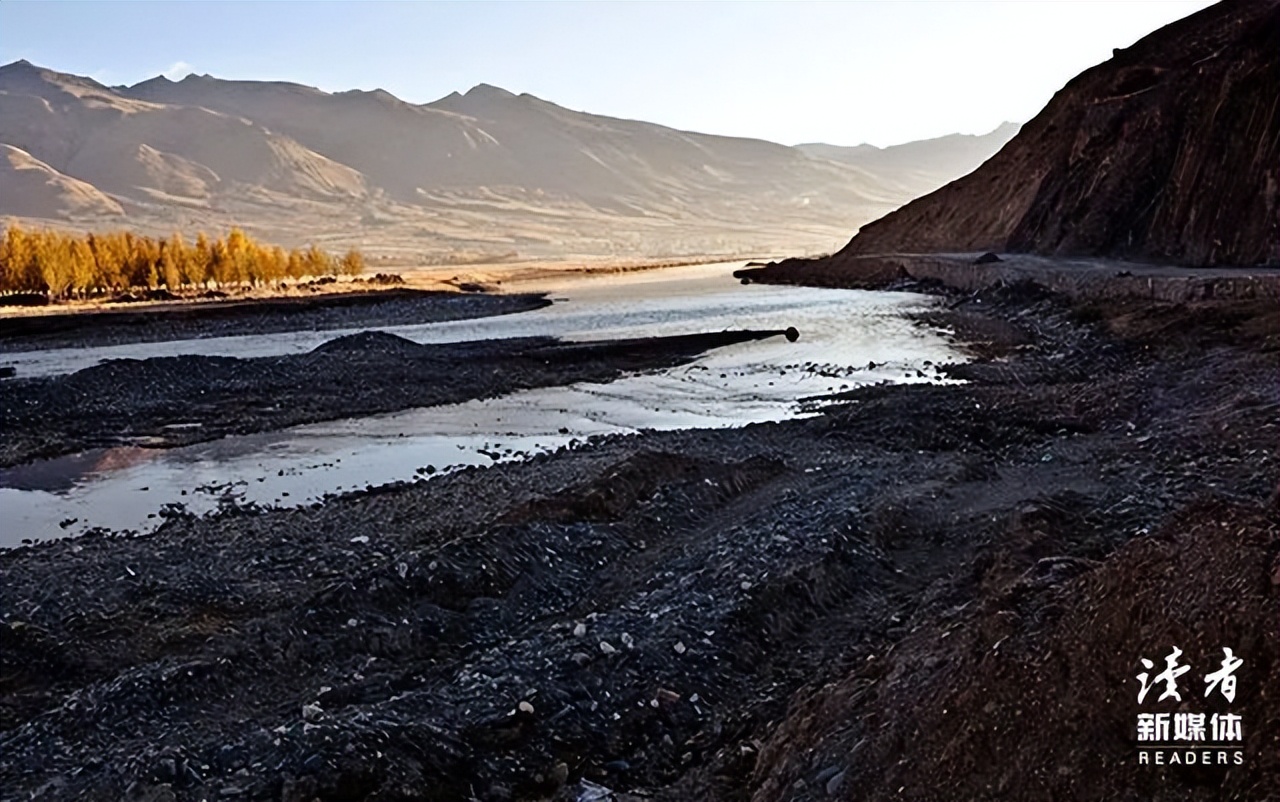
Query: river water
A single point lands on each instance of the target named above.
(848, 338)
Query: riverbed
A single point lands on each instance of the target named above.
(848, 338)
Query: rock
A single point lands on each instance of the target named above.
(987, 259)
(167, 769)
(833, 784)
(588, 791)
(580, 630)
(312, 713)
(666, 697)
(558, 775)
(607, 647)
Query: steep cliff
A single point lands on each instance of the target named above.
(1169, 151)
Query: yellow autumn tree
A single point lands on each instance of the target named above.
(63, 265)
(318, 263)
(352, 263)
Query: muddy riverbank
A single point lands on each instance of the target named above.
(926, 587)
(173, 401)
(89, 328)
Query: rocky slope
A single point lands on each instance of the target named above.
(1166, 152)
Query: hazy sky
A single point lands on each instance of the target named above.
(879, 71)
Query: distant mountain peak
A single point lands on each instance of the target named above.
(24, 67)
(488, 91)
(159, 80)
(379, 94)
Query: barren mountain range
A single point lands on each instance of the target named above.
(486, 172)
(1167, 152)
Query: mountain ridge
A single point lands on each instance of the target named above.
(484, 169)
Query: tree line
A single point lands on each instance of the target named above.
(63, 265)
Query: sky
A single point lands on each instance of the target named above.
(878, 71)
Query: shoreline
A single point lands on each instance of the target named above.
(1079, 279)
(166, 402)
(256, 316)
(433, 296)
(444, 279)
(773, 598)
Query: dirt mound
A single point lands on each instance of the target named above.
(369, 343)
(125, 401)
(1031, 692)
(637, 479)
(1161, 153)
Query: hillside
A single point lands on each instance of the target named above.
(1166, 152)
(38, 190)
(486, 171)
(134, 149)
(923, 166)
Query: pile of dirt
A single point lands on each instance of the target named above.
(1030, 691)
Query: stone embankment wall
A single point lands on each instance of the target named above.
(1078, 279)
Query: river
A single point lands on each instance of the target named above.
(848, 338)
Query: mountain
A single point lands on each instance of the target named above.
(132, 148)
(1166, 152)
(487, 171)
(38, 190)
(923, 166)
(491, 141)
